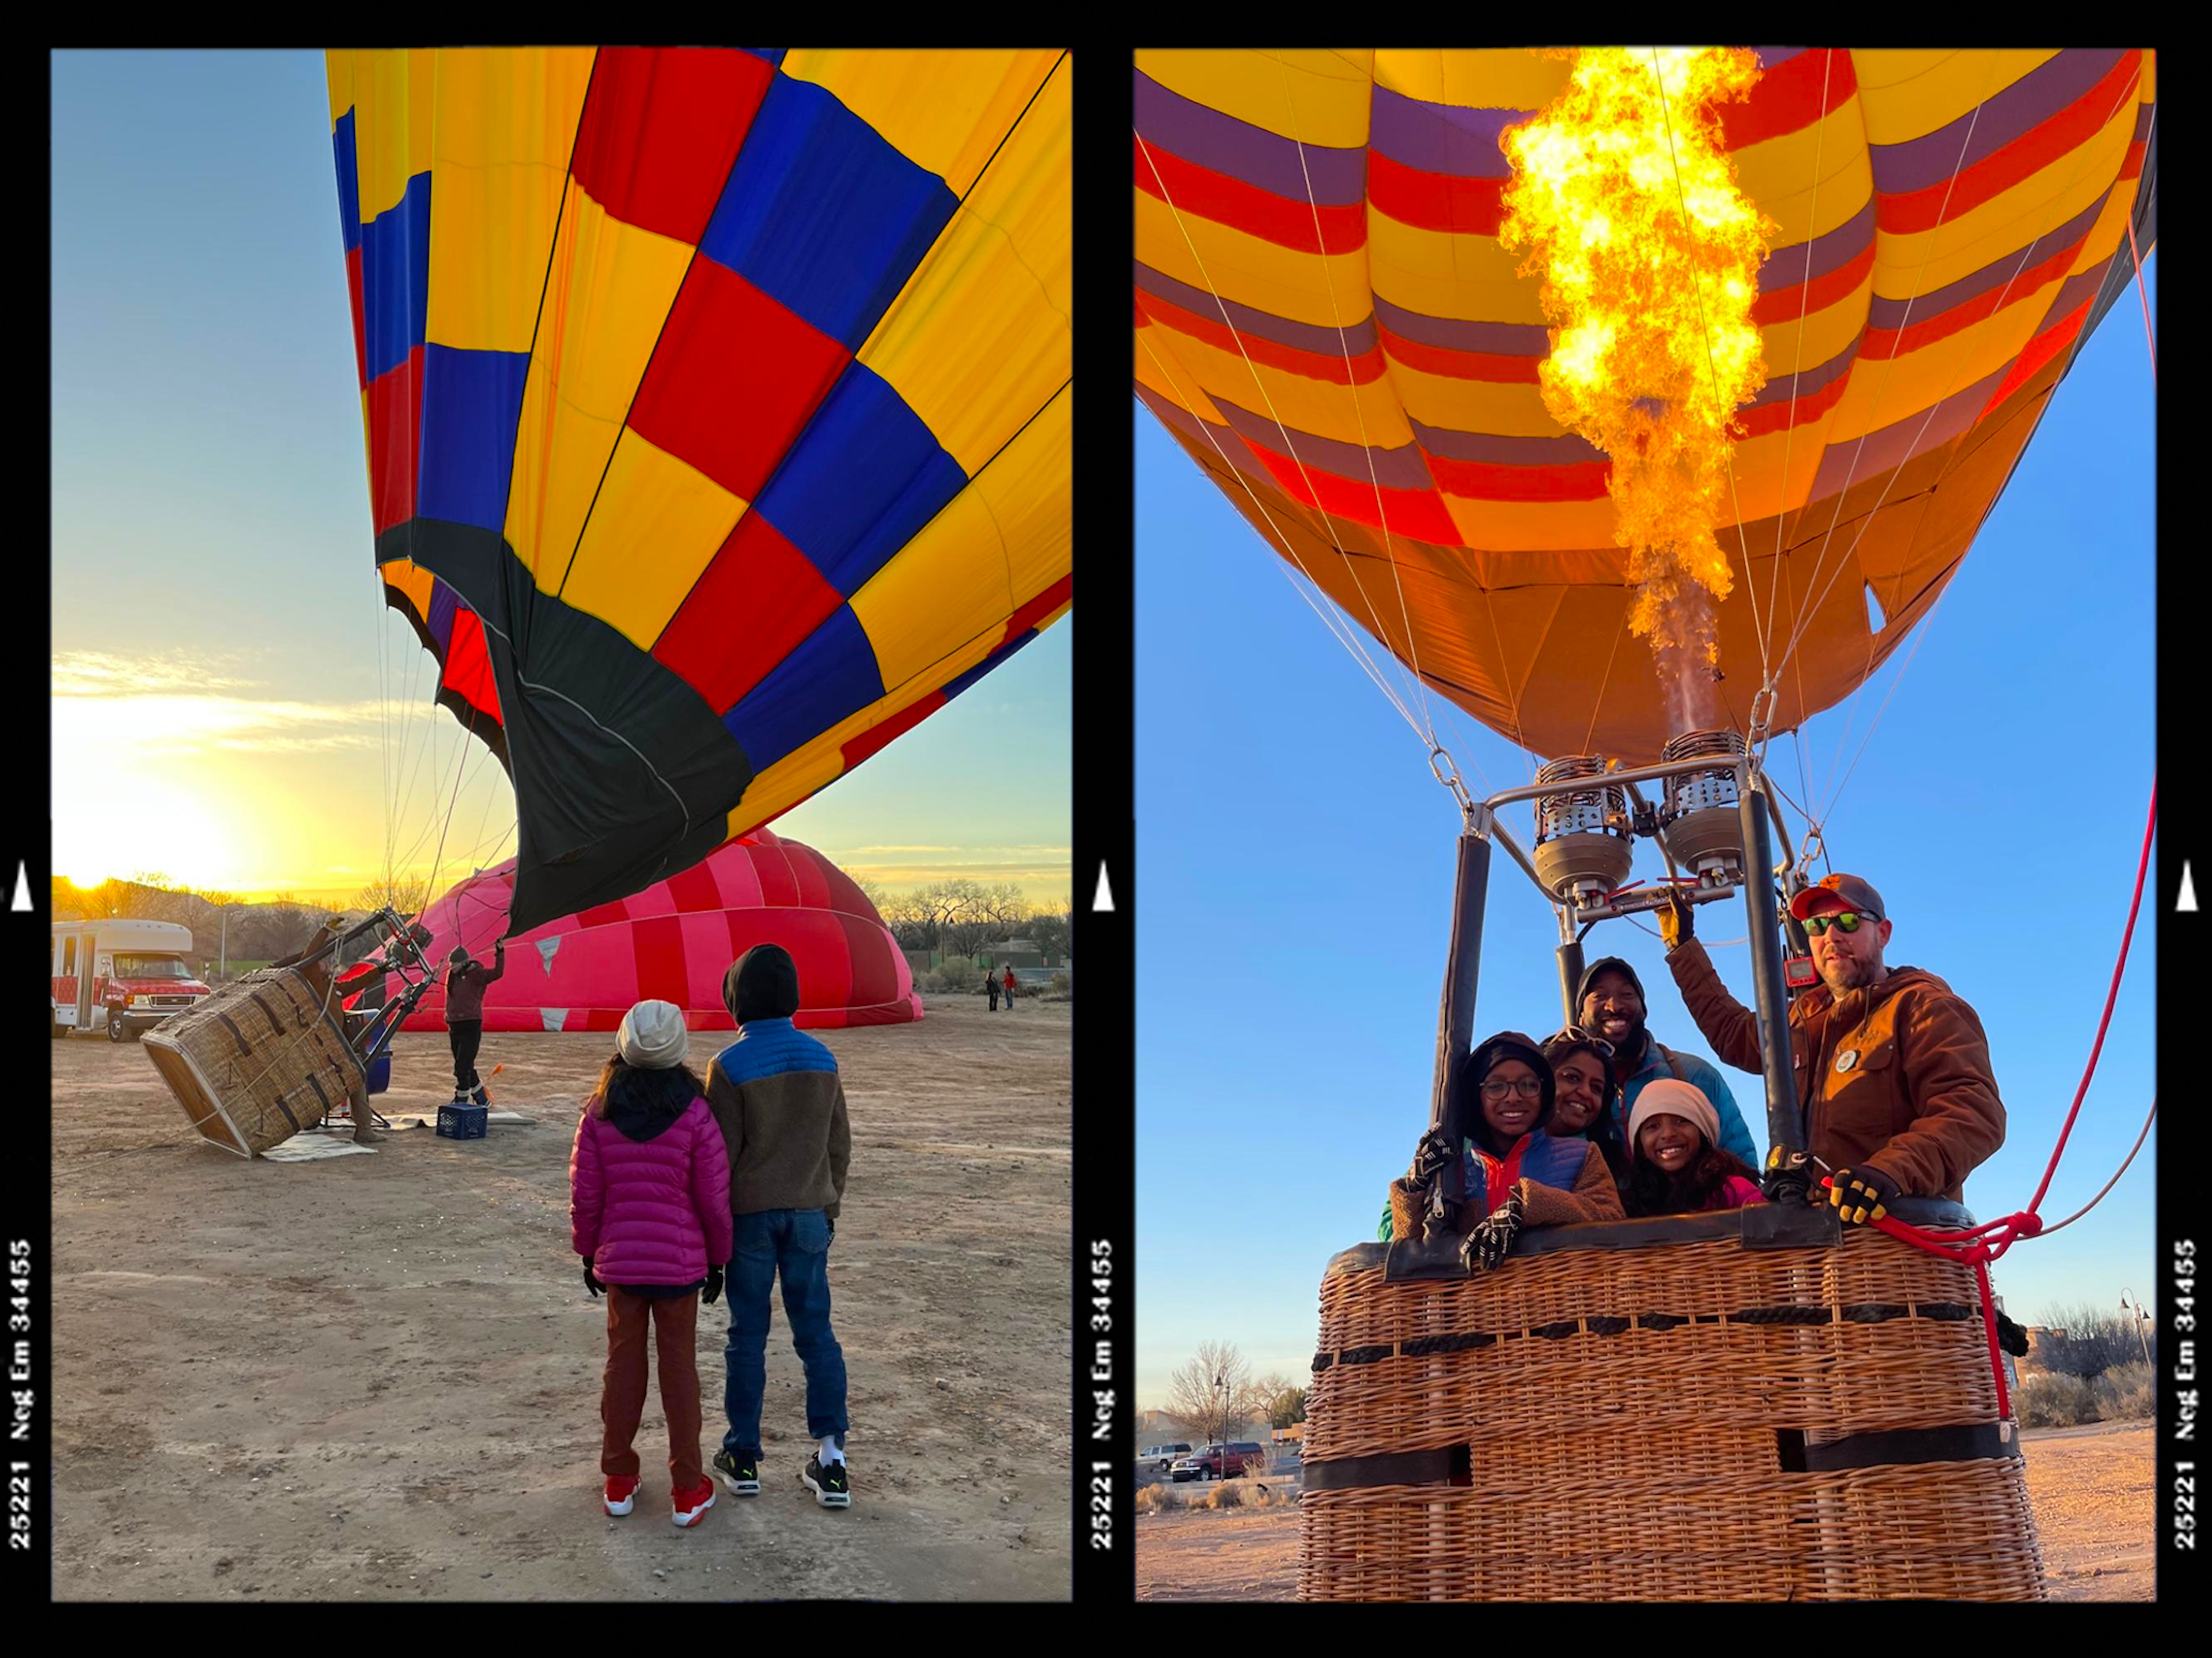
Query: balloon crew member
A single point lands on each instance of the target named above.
(1512, 1173)
(1584, 1090)
(649, 1211)
(1010, 986)
(991, 983)
(1611, 1001)
(465, 983)
(1892, 1067)
(1677, 1165)
(781, 1107)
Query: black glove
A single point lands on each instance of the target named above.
(1675, 922)
(833, 1230)
(1434, 1153)
(590, 1282)
(1486, 1246)
(1789, 1175)
(713, 1292)
(1856, 1194)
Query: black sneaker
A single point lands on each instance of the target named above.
(828, 1485)
(740, 1473)
(480, 1097)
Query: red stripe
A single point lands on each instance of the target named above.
(757, 598)
(1774, 416)
(779, 890)
(1191, 188)
(2040, 350)
(1038, 608)
(1416, 513)
(2034, 149)
(359, 337)
(1434, 201)
(868, 953)
(1499, 367)
(1476, 480)
(876, 737)
(1787, 304)
(1366, 368)
(602, 915)
(1878, 344)
(2132, 167)
(395, 438)
(660, 130)
(695, 890)
(1787, 98)
(659, 942)
(468, 667)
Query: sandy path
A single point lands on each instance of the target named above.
(2090, 1489)
(378, 1375)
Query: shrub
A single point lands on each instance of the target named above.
(2126, 1393)
(1228, 1494)
(1158, 1499)
(2056, 1401)
(959, 977)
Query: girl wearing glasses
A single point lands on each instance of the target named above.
(1501, 1169)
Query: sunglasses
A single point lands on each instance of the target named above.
(1528, 1088)
(1847, 920)
(1574, 1032)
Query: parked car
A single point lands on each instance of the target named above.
(1158, 1459)
(1221, 1462)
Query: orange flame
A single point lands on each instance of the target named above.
(1628, 207)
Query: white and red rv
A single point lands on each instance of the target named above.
(125, 976)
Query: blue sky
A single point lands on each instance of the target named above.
(225, 667)
(1296, 861)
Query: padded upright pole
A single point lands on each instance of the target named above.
(1456, 1009)
(1784, 1126)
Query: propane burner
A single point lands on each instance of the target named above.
(1583, 849)
(1699, 819)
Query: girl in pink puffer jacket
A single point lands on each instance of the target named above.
(649, 1211)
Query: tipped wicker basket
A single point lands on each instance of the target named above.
(257, 1061)
(1660, 1411)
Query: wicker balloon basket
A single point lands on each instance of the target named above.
(257, 1061)
(1667, 1410)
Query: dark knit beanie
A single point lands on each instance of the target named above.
(1606, 964)
(1479, 1064)
(762, 984)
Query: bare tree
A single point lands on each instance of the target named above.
(985, 915)
(1051, 926)
(405, 893)
(875, 893)
(1212, 1392)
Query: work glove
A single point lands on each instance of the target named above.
(1856, 1194)
(1434, 1154)
(590, 1282)
(1675, 922)
(713, 1292)
(833, 1230)
(1789, 1175)
(1486, 1246)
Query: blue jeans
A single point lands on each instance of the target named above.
(795, 1242)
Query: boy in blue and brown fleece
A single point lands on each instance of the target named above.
(782, 1108)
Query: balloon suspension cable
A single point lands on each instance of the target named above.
(1447, 774)
(2143, 293)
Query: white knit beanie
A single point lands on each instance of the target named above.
(1666, 1096)
(653, 1036)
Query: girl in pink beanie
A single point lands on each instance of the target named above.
(1676, 1163)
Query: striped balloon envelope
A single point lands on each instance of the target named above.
(718, 412)
(1326, 323)
(674, 941)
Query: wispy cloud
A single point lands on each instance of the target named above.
(97, 673)
(188, 703)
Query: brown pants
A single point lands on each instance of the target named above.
(622, 1400)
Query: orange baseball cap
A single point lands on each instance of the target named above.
(1838, 892)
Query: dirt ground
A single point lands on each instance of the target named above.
(377, 1377)
(2090, 1488)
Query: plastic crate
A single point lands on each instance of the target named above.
(463, 1122)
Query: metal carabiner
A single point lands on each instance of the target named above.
(1450, 777)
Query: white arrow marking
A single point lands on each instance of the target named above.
(1104, 899)
(2187, 901)
(23, 887)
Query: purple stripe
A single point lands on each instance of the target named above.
(1443, 138)
(1494, 449)
(1395, 469)
(2143, 121)
(1892, 312)
(1788, 267)
(1783, 384)
(1359, 337)
(1210, 139)
(2076, 288)
(1502, 339)
(1931, 159)
(439, 622)
(1891, 446)
(1775, 56)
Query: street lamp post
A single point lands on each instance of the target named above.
(2142, 1316)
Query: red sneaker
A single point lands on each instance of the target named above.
(690, 1506)
(621, 1493)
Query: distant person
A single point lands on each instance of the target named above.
(1611, 1001)
(1893, 1073)
(466, 981)
(1676, 1163)
(649, 1211)
(1512, 1173)
(320, 976)
(1010, 986)
(1582, 1075)
(992, 982)
(777, 1093)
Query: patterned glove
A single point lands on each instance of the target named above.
(713, 1292)
(1486, 1246)
(1789, 1175)
(590, 1282)
(1675, 922)
(1857, 1195)
(1434, 1153)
